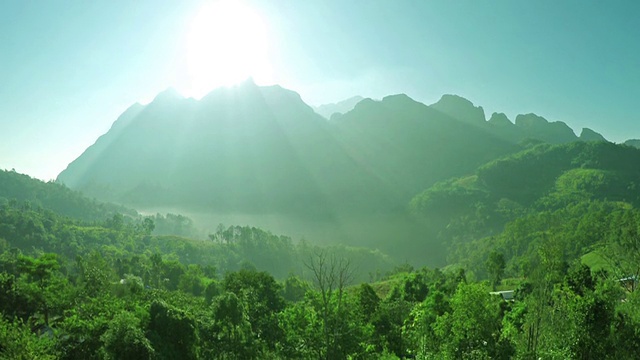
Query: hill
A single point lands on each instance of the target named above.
(54, 197)
(520, 202)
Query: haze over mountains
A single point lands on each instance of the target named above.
(261, 150)
(341, 107)
(253, 148)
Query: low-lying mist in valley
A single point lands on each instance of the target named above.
(399, 235)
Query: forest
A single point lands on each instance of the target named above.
(543, 248)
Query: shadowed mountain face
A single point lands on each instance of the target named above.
(246, 148)
(262, 151)
(407, 144)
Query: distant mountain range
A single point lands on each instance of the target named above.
(339, 108)
(262, 149)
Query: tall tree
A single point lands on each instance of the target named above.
(495, 265)
(331, 276)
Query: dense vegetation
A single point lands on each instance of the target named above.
(574, 194)
(558, 224)
(259, 153)
(55, 197)
(74, 291)
(110, 289)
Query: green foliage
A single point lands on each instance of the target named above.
(294, 289)
(367, 301)
(232, 336)
(18, 342)
(261, 294)
(109, 289)
(495, 267)
(124, 339)
(303, 335)
(55, 197)
(172, 331)
(472, 329)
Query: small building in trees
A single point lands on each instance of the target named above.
(507, 295)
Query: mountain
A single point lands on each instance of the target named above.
(341, 107)
(246, 148)
(633, 142)
(461, 109)
(407, 144)
(590, 135)
(262, 149)
(539, 128)
(527, 126)
(261, 153)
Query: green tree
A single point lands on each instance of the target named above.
(43, 282)
(125, 339)
(294, 289)
(342, 332)
(261, 295)
(367, 301)
(95, 274)
(419, 327)
(192, 281)
(18, 342)
(495, 265)
(231, 333)
(472, 329)
(173, 332)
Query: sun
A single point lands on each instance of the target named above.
(226, 44)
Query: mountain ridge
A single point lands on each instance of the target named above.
(278, 123)
(329, 110)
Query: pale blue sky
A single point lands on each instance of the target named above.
(69, 68)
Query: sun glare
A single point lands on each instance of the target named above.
(227, 44)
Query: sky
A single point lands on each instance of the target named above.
(69, 68)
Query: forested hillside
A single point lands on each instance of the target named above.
(71, 290)
(573, 197)
(528, 208)
(54, 196)
(556, 225)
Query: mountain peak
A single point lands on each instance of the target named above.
(537, 127)
(460, 108)
(170, 94)
(499, 119)
(590, 135)
(398, 99)
(342, 107)
(530, 120)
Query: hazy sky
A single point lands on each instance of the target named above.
(69, 68)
